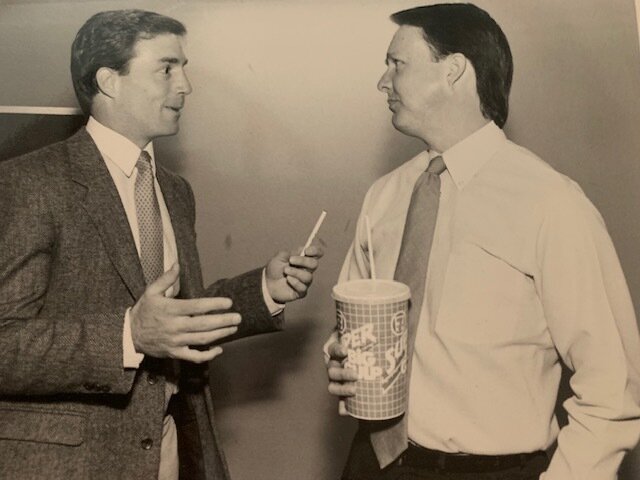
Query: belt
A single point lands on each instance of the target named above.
(420, 457)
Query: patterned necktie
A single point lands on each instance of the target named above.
(149, 221)
(391, 440)
(152, 260)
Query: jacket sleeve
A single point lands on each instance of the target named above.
(246, 293)
(41, 354)
(244, 290)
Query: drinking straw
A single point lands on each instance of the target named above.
(313, 232)
(370, 249)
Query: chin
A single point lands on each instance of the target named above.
(399, 125)
(406, 128)
(167, 132)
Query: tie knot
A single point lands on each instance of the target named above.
(144, 160)
(436, 165)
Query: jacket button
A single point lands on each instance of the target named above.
(146, 444)
(152, 379)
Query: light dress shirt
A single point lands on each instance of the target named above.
(522, 272)
(120, 156)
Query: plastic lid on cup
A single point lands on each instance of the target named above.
(371, 291)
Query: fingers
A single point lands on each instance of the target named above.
(203, 330)
(342, 389)
(206, 323)
(337, 351)
(205, 338)
(197, 356)
(299, 287)
(338, 373)
(197, 306)
(164, 281)
(308, 263)
(341, 379)
(303, 276)
(313, 251)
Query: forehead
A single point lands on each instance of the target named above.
(160, 47)
(409, 40)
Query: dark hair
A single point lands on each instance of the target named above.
(464, 28)
(107, 39)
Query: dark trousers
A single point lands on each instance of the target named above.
(362, 464)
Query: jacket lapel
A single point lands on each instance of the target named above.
(102, 203)
(183, 231)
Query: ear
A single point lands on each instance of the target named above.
(457, 65)
(107, 80)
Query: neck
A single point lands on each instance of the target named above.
(118, 125)
(452, 131)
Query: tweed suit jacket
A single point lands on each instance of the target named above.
(68, 271)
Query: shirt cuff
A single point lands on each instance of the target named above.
(130, 358)
(274, 307)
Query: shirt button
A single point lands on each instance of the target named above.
(152, 379)
(146, 444)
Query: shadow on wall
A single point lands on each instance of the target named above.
(265, 359)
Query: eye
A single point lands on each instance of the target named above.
(166, 70)
(394, 63)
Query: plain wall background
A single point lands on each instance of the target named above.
(285, 121)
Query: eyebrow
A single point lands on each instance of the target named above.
(390, 56)
(173, 61)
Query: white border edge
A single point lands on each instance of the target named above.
(638, 18)
(40, 110)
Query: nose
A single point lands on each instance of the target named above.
(384, 84)
(184, 85)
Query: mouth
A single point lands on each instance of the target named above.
(392, 103)
(176, 109)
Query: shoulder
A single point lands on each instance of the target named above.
(538, 184)
(37, 168)
(177, 181)
(516, 165)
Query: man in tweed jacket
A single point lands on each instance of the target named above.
(90, 353)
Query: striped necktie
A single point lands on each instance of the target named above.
(390, 439)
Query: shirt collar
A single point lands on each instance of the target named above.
(467, 157)
(117, 148)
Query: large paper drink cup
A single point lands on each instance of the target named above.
(372, 324)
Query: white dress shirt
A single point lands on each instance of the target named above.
(521, 270)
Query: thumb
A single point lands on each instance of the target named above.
(276, 264)
(283, 256)
(164, 281)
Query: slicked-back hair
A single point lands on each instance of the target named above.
(464, 28)
(108, 39)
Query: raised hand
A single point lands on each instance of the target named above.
(166, 327)
(289, 275)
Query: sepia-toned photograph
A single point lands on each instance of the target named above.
(319, 240)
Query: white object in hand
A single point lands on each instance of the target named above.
(314, 232)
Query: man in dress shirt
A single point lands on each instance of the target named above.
(102, 371)
(521, 275)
